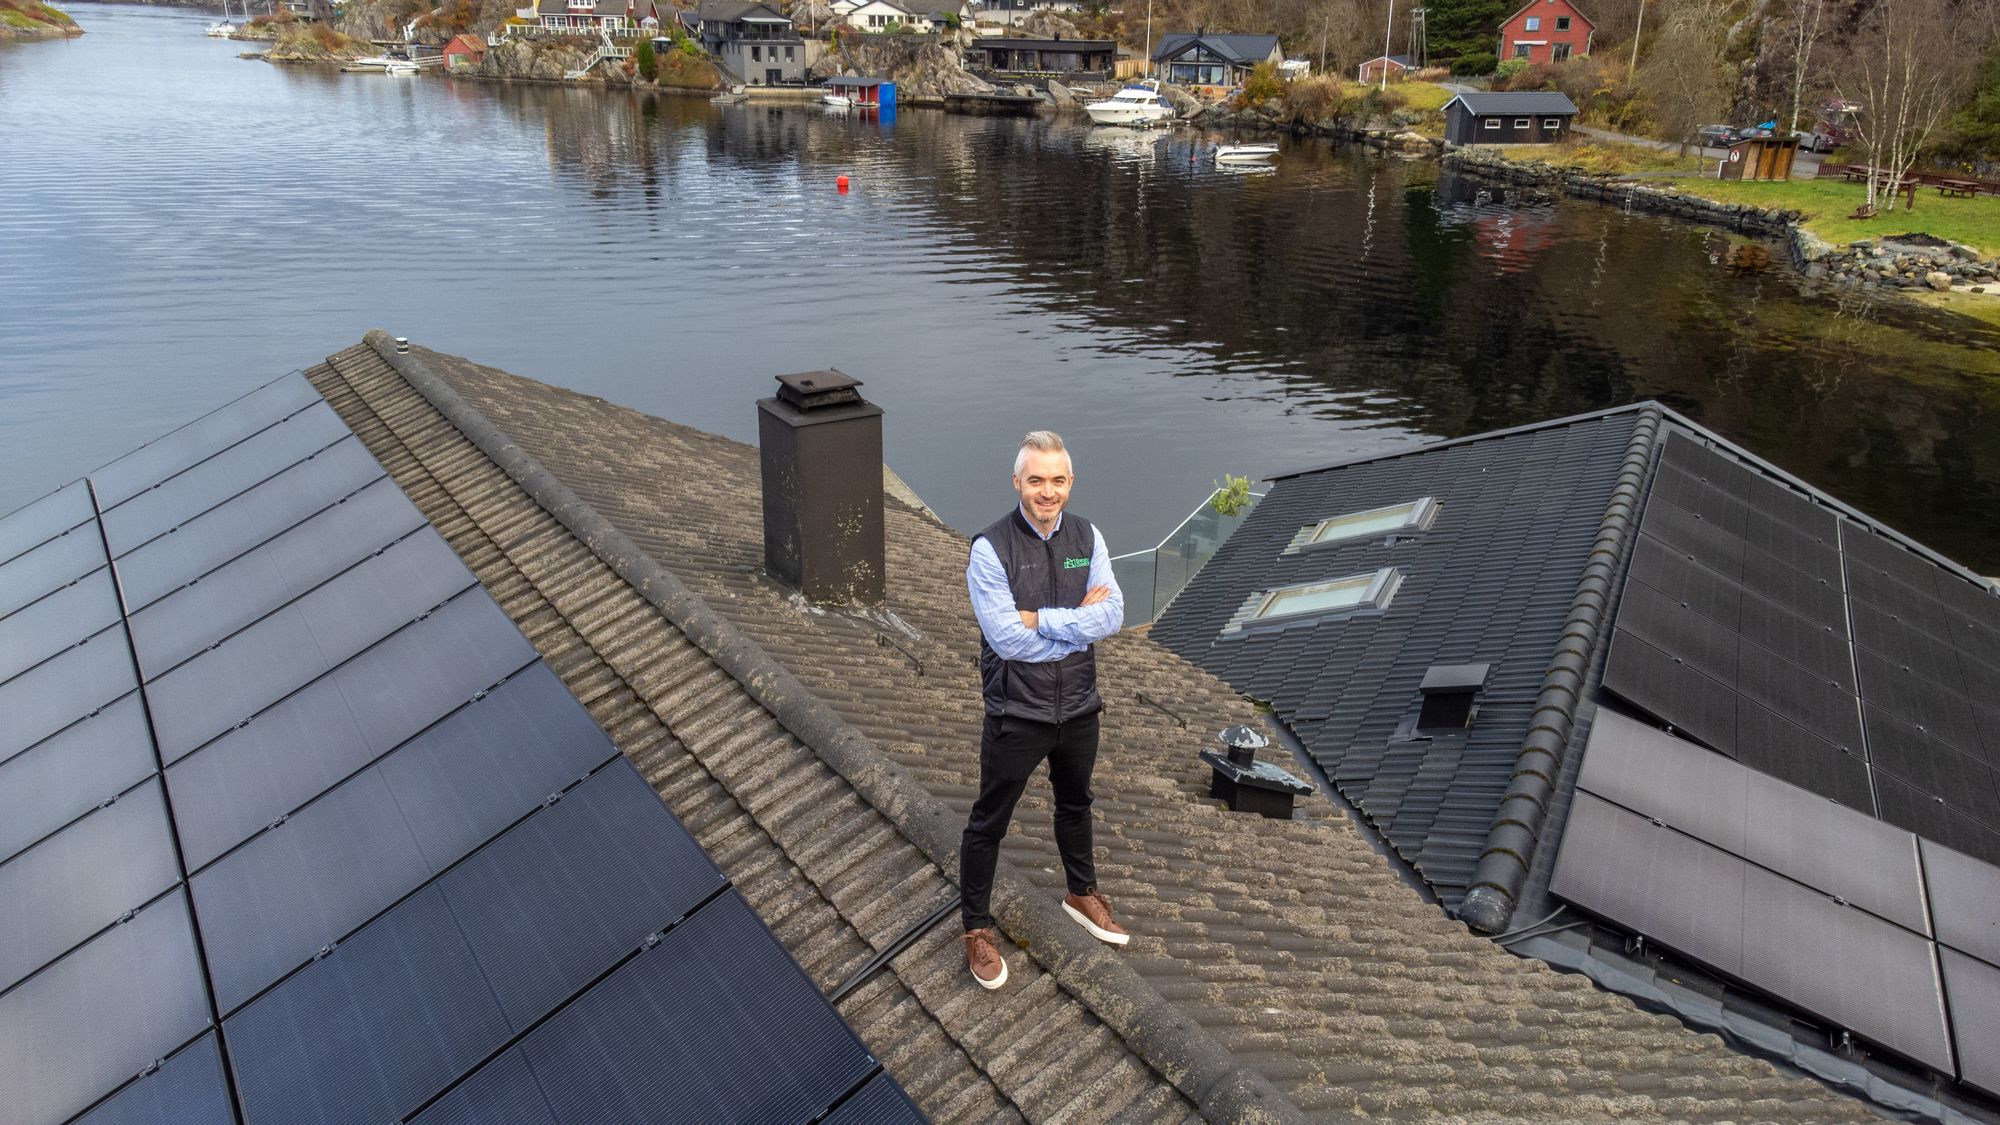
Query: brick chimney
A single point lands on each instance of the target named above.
(821, 446)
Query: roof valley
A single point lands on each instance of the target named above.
(726, 777)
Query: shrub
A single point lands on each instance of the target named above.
(1312, 99)
(1232, 495)
(1475, 65)
(1509, 68)
(1264, 85)
(648, 62)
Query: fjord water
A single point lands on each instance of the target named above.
(178, 225)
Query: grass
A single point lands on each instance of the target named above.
(1612, 157)
(1827, 203)
(1424, 95)
(30, 15)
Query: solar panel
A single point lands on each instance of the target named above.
(256, 666)
(190, 619)
(62, 689)
(1698, 706)
(1866, 975)
(188, 1089)
(316, 736)
(503, 1090)
(1845, 853)
(1670, 626)
(880, 1102)
(490, 762)
(223, 532)
(1974, 989)
(45, 627)
(89, 1022)
(180, 498)
(1789, 752)
(36, 523)
(1936, 768)
(1817, 705)
(1820, 648)
(1899, 600)
(80, 880)
(202, 438)
(1963, 891)
(64, 777)
(1657, 775)
(1680, 892)
(642, 1045)
(576, 886)
(54, 564)
(368, 1033)
(1685, 533)
(1685, 580)
(272, 904)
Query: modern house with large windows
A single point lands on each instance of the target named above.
(1202, 59)
(754, 42)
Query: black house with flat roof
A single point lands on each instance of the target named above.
(1058, 57)
(1698, 703)
(1534, 117)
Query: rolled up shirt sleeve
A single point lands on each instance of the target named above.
(993, 604)
(1092, 623)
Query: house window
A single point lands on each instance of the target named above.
(1560, 52)
(1552, 122)
(756, 53)
(1534, 23)
(1492, 123)
(1562, 23)
(1313, 601)
(1521, 50)
(788, 53)
(1522, 122)
(1374, 523)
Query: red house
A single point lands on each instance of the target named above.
(1546, 31)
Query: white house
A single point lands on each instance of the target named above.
(881, 15)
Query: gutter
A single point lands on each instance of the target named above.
(1222, 1088)
(1517, 827)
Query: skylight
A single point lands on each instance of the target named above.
(1373, 523)
(1319, 600)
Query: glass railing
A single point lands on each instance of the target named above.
(1149, 579)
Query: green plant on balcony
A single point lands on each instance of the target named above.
(1232, 495)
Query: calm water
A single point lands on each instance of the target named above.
(177, 226)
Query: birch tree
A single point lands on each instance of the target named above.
(1804, 36)
(1908, 72)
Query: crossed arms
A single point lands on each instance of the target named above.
(1051, 632)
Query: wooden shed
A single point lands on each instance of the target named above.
(1535, 117)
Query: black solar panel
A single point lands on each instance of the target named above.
(188, 1089)
(504, 1090)
(56, 621)
(1789, 752)
(1974, 989)
(190, 619)
(101, 1015)
(49, 567)
(577, 886)
(180, 498)
(42, 520)
(1670, 887)
(201, 439)
(1672, 689)
(226, 531)
(648, 1043)
(75, 883)
(65, 776)
(1963, 891)
(62, 689)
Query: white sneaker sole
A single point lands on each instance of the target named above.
(996, 982)
(1103, 935)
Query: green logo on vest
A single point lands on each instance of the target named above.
(1072, 564)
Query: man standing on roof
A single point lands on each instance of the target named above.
(1044, 593)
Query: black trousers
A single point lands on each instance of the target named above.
(1009, 751)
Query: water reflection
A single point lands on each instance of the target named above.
(984, 276)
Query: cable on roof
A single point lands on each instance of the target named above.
(895, 948)
(1519, 930)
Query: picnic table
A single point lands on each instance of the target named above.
(1959, 189)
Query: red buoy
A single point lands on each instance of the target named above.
(841, 183)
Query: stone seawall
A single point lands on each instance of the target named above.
(1905, 262)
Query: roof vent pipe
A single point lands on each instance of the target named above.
(1246, 784)
(402, 345)
(821, 448)
(1449, 692)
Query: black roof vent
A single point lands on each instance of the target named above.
(1449, 691)
(1246, 784)
(812, 390)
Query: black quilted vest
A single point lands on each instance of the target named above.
(1042, 573)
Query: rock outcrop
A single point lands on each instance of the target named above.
(316, 43)
(543, 60)
(30, 19)
(921, 67)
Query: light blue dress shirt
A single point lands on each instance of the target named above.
(1058, 632)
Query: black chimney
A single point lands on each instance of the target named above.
(1449, 691)
(1246, 784)
(821, 447)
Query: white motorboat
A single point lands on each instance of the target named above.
(1139, 104)
(836, 101)
(225, 29)
(1245, 154)
(401, 67)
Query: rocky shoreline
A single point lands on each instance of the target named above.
(28, 20)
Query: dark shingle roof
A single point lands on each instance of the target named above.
(1529, 102)
(1245, 49)
(1291, 944)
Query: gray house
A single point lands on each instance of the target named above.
(1202, 59)
(753, 42)
(1533, 117)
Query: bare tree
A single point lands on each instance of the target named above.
(1803, 37)
(1683, 80)
(1911, 65)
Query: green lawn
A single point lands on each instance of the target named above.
(1614, 157)
(1827, 203)
(1423, 95)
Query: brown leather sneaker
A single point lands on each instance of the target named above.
(1094, 914)
(983, 958)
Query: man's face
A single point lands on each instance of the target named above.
(1044, 483)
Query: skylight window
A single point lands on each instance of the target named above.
(1317, 601)
(1371, 524)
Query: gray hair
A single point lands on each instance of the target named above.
(1042, 441)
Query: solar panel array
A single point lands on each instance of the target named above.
(295, 826)
(1812, 648)
(1881, 933)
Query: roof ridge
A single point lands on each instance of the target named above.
(1221, 1086)
(1469, 439)
(1517, 825)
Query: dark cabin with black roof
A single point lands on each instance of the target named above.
(1533, 117)
(1738, 732)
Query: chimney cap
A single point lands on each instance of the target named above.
(1241, 737)
(812, 390)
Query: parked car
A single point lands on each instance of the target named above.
(1755, 133)
(1814, 142)
(1715, 136)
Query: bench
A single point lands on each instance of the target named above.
(1958, 189)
